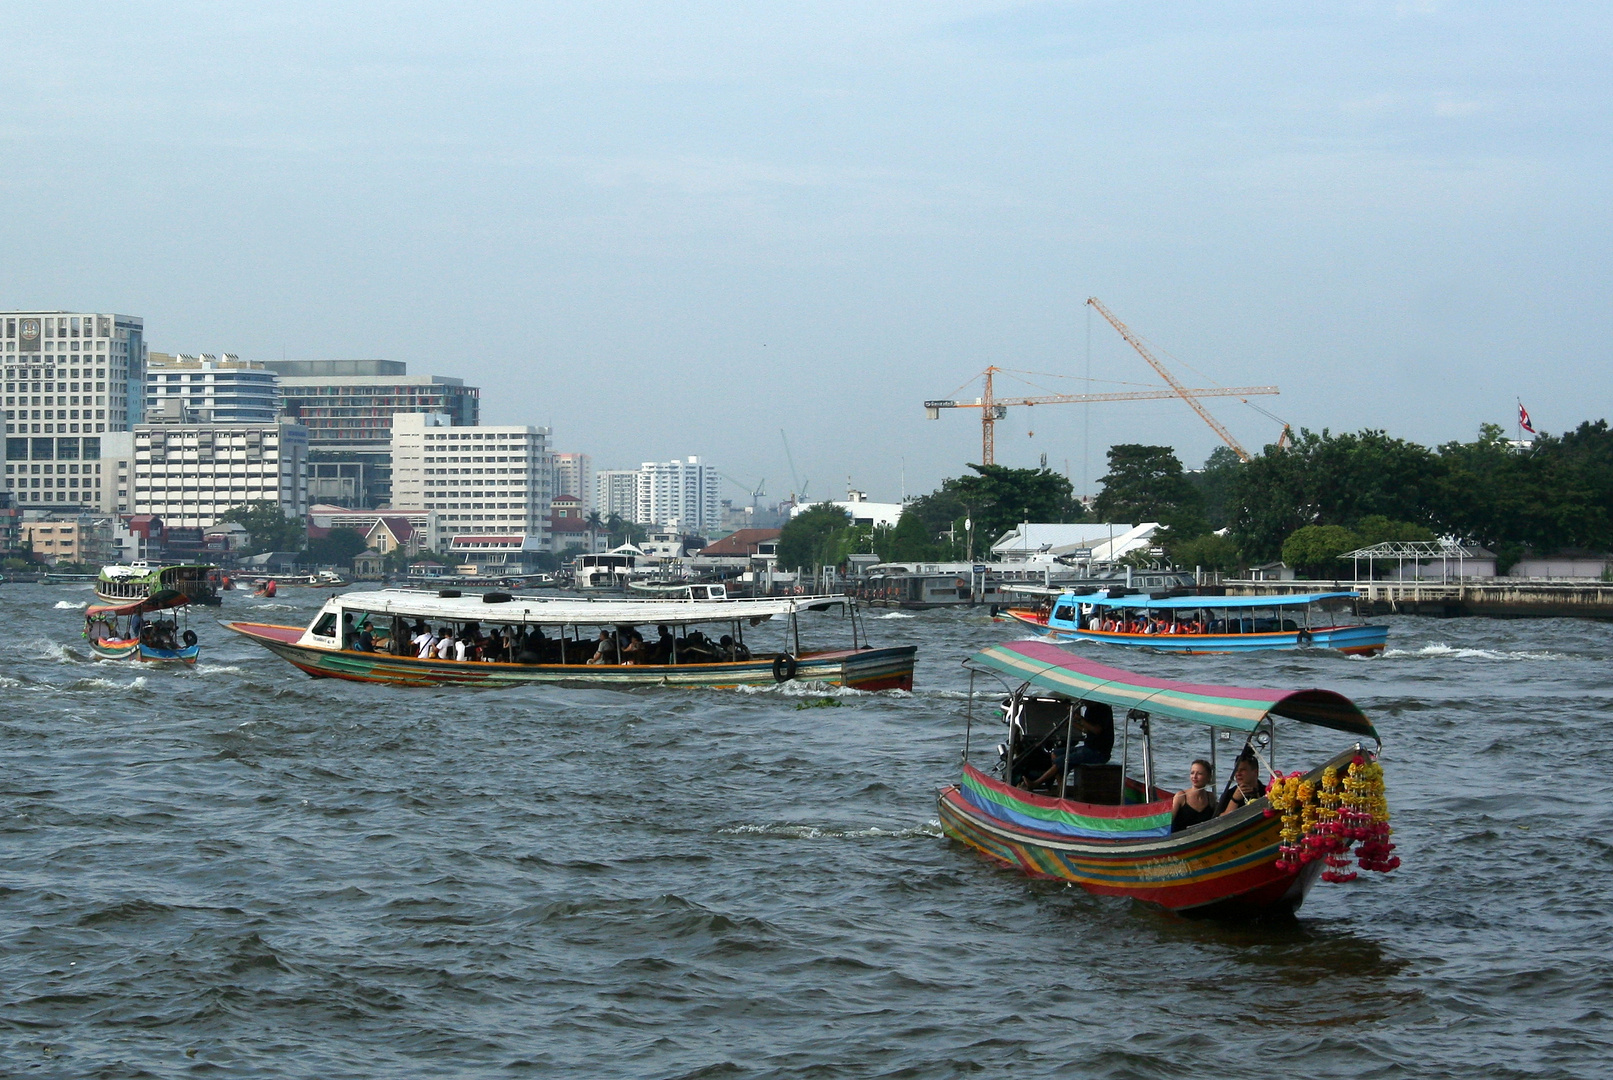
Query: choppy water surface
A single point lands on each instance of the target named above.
(239, 871)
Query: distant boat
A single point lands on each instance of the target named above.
(120, 584)
(674, 591)
(1199, 624)
(123, 631)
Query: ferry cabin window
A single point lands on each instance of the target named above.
(326, 626)
(1064, 612)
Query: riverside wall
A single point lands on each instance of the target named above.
(1496, 598)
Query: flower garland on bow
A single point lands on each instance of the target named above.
(1324, 821)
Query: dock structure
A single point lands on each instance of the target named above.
(1455, 598)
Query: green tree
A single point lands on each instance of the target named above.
(910, 541)
(1144, 483)
(268, 528)
(1315, 549)
(995, 500)
(814, 537)
(1216, 486)
(336, 548)
(1377, 529)
(1210, 551)
(623, 531)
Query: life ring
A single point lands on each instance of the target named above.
(189, 638)
(783, 667)
(1304, 638)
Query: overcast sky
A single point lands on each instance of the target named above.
(673, 229)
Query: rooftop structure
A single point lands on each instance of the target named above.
(209, 387)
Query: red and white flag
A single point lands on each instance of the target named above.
(1523, 419)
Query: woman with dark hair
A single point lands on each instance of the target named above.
(1245, 787)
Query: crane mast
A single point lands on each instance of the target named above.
(1189, 396)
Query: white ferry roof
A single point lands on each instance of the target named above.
(565, 611)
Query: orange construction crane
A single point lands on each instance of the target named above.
(993, 408)
(1181, 391)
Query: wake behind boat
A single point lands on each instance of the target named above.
(1200, 624)
(410, 638)
(1113, 832)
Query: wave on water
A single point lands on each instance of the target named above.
(97, 685)
(68, 605)
(217, 669)
(804, 689)
(42, 649)
(895, 615)
(930, 829)
(1440, 650)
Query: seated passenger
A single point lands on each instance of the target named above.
(633, 649)
(605, 653)
(1194, 804)
(424, 641)
(349, 635)
(365, 641)
(661, 650)
(445, 643)
(725, 648)
(1245, 787)
(1095, 723)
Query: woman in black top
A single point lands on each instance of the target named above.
(1194, 804)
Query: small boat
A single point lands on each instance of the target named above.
(1110, 831)
(266, 589)
(124, 632)
(609, 571)
(1200, 624)
(558, 637)
(120, 584)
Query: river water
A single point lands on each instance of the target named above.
(237, 871)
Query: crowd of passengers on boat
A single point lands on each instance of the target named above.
(1173, 622)
(470, 643)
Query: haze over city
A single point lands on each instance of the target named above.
(677, 231)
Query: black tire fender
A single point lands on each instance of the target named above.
(783, 667)
(189, 638)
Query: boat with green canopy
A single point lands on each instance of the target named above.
(1110, 828)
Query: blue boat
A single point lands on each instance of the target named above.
(1202, 624)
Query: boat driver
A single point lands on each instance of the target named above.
(1096, 723)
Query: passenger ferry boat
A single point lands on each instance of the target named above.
(672, 591)
(120, 584)
(553, 640)
(1200, 624)
(1109, 827)
(123, 631)
(608, 570)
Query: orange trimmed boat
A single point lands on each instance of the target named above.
(122, 631)
(1111, 831)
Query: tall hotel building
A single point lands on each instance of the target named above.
(479, 481)
(70, 380)
(574, 476)
(684, 495)
(347, 407)
(616, 494)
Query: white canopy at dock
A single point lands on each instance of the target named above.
(568, 611)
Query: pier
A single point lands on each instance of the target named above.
(1455, 598)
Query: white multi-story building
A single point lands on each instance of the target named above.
(88, 472)
(679, 494)
(209, 388)
(479, 480)
(190, 474)
(72, 374)
(574, 475)
(616, 494)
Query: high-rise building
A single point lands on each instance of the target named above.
(209, 388)
(574, 475)
(616, 494)
(190, 474)
(347, 407)
(480, 480)
(69, 472)
(72, 374)
(680, 494)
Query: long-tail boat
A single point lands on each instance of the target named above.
(123, 583)
(1200, 624)
(137, 631)
(374, 637)
(1110, 831)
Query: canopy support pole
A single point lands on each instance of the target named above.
(1069, 733)
(969, 716)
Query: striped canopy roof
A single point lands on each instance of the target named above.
(1050, 668)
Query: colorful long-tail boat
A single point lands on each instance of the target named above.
(376, 637)
(123, 631)
(1199, 624)
(1111, 831)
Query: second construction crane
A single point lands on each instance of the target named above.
(993, 408)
